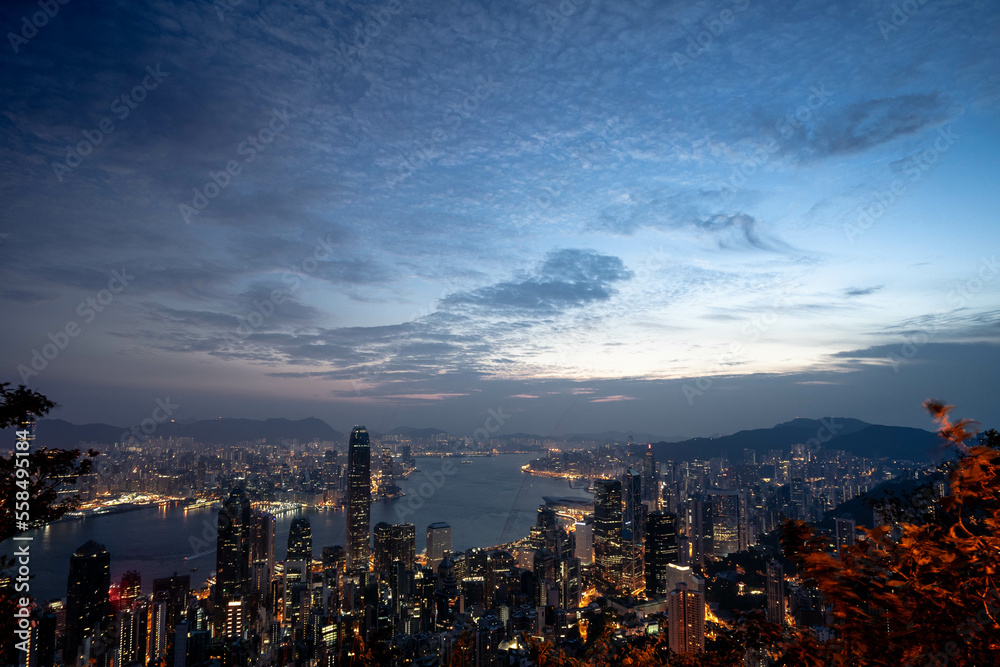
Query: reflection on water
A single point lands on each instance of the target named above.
(486, 502)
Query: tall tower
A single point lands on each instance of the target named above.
(87, 603)
(359, 498)
(661, 549)
(261, 559)
(686, 611)
(300, 540)
(846, 533)
(775, 593)
(232, 555)
(608, 545)
(650, 480)
(438, 544)
(404, 545)
(383, 547)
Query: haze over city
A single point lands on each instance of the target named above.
(681, 219)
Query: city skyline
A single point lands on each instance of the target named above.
(679, 220)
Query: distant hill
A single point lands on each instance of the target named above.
(61, 434)
(851, 435)
(410, 432)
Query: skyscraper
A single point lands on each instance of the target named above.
(359, 492)
(775, 592)
(383, 547)
(650, 480)
(632, 489)
(438, 544)
(261, 559)
(661, 549)
(232, 556)
(608, 546)
(846, 533)
(300, 541)
(583, 540)
(404, 545)
(87, 604)
(686, 611)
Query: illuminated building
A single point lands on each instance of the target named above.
(608, 539)
(661, 549)
(686, 620)
(359, 491)
(438, 544)
(87, 603)
(232, 556)
(775, 593)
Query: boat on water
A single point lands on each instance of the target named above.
(466, 462)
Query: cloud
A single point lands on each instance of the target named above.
(868, 123)
(862, 291)
(565, 280)
(612, 399)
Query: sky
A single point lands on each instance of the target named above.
(678, 218)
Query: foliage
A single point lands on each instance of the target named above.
(931, 596)
(46, 469)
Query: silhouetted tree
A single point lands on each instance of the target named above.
(46, 470)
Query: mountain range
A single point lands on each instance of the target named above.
(851, 435)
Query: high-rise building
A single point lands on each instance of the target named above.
(87, 603)
(608, 542)
(132, 627)
(232, 557)
(404, 545)
(359, 493)
(661, 549)
(632, 519)
(158, 638)
(383, 547)
(438, 544)
(174, 591)
(650, 479)
(686, 622)
(262, 559)
(300, 541)
(845, 533)
(719, 523)
(583, 540)
(129, 589)
(775, 592)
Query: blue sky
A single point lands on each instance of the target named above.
(675, 218)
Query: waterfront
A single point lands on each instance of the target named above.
(487, 502)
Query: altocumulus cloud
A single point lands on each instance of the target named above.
(566, 279)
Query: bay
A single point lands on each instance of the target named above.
(487, 502)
